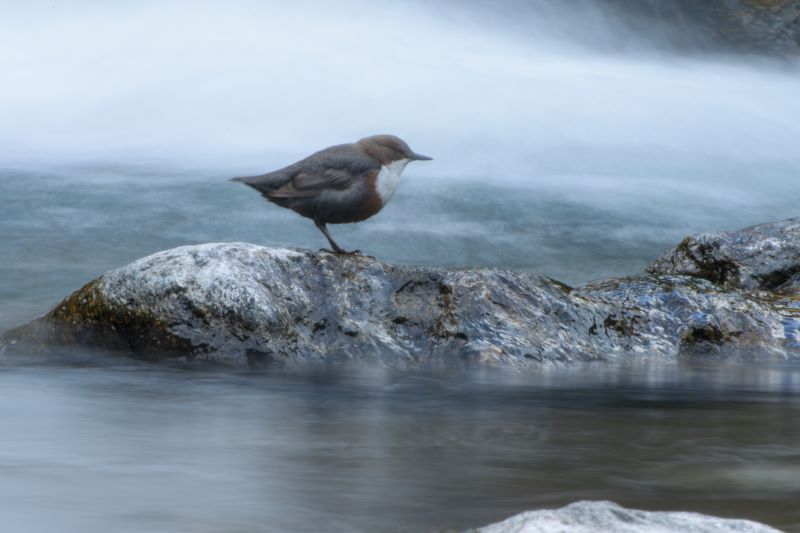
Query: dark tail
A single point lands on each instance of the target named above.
(264, 183)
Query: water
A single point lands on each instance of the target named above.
(566, 141)
(146, 449)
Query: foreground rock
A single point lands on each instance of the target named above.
(607, 517)
(249, 305)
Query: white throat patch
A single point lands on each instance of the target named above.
(389, 179)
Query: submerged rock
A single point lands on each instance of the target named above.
(250, 305)
(607, 517)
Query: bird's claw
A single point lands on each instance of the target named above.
(345, 252)
(359, 253)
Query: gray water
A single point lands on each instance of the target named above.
(127, 448)
(566, 141)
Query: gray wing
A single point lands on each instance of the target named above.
(306, 185)
(334, 168)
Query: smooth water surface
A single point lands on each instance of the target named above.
(146, 449)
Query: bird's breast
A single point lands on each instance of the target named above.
(389, 178)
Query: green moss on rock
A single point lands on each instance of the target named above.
(87, 318)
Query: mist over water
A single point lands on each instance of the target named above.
(576, 139)
(518, 91)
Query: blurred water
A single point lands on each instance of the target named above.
(566, 141)
(142, 449)
(509, 91)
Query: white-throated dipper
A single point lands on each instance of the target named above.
(340, 184)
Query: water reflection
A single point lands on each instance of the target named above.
(134, 448)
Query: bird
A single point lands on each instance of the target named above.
(340, 184)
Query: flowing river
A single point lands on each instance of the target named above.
(566, 141)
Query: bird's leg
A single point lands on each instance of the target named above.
(324, 229)
(336, 248)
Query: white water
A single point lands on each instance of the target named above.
(509, 94)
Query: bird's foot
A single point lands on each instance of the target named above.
(345, 252)
(352, 252)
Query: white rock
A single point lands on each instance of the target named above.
(608, 517)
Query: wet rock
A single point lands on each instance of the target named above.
(248, 305)
(765, 27)
(688, 317)
(607, 517)
(765, 257)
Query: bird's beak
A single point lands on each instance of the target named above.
(420, 157)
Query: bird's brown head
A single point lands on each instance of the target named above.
(387, 149)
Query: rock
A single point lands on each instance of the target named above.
(766, 27)
(248, 305)
(687, 317)
(765, 257)
(608, 517)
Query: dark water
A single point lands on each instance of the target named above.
(568, 139)
(144, 449)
